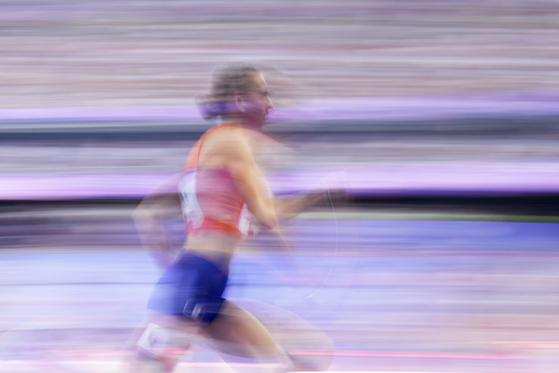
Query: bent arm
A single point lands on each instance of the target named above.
(148, 217)
(252, 185)
(291, 206)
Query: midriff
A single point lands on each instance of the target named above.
(214, 245)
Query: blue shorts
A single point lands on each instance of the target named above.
(192, 287)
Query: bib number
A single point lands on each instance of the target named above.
(191, 210)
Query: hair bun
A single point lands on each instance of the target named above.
(210, 109)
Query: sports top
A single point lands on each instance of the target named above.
(209, 196)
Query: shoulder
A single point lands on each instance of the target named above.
(227, 133)
(231, 142)
(227, 136)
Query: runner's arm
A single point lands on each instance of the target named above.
(162, 203)
(252, 185)
(291, 206)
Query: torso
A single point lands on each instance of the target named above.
(218, 236)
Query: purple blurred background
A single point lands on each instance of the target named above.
(439, 118)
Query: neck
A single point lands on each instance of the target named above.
(238, 121)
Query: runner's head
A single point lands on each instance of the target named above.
(239, 93)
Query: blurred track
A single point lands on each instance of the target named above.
(425, 296)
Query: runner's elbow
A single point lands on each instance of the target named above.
(142, 213)
(268, 221)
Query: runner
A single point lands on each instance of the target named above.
(224, 196)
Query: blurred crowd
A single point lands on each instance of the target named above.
(130, 53)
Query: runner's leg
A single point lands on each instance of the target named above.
(237, 332)
(292, 332)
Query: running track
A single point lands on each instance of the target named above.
(402, 296)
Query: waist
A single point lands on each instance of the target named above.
(188, 258)
(214, 225)
(216, 246)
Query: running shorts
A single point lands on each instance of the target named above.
(192, 288)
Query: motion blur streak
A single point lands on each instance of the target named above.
(442, 118)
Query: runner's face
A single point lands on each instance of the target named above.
(258, 103)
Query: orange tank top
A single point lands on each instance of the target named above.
(210, 198)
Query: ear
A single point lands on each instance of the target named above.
(239, 102)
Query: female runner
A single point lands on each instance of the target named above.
(223, 194)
